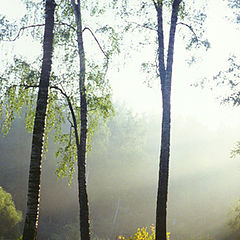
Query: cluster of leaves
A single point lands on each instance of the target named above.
(143, 234)
(9, 216)
(7, 28)
(19, 89)
(235, 5)
(229, 80)
(234, 222)
(236, 151)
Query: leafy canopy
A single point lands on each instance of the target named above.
(21, 74)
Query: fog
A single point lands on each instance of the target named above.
(122, 178)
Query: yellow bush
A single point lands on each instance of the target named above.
(143, 234)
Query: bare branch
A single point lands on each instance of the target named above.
(71, 124)
(161, 62)
(87, 28)
(23, 28)
(22, 85)
(66, 24)
(60, 90)
(190, 27)
(38, 25)
(71, 110)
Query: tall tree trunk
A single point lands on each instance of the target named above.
(33, 199)
(166, 82)
(82, 186)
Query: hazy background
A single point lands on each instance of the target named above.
(122, 174)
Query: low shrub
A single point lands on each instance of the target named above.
(143, 234)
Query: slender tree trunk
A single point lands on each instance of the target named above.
(166, 82)
(82, 186)
(33, 199)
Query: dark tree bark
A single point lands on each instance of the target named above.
(166, 82)
(33, 199)
(81, 149)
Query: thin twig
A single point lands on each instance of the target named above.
(71, 124)
(66, 24)
(190, 27)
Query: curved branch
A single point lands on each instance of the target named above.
(66, 24)
(71, 110)
(38, 25)
(190, 28)
(95, 38)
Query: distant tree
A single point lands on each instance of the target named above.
(34, 183)
(9, 216)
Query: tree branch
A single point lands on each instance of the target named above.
(38, 25)
(161, 61)
(190, 27)
(99, 45)
(71, 124)
(66, 24)
(71, 110)
(22, 85)
(155, 4)
(23, 28)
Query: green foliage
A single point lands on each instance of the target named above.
(235, 5)
(234, 222)
(236, 151)
(67, 150)
(16, 96)
(7, 29)
(21, 79)
(229, 79)
(9, 216)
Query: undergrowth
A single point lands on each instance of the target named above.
(143, 234)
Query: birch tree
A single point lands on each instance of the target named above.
(34, 182)
(162, 69)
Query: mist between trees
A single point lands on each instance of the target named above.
(121, 177)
